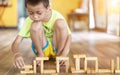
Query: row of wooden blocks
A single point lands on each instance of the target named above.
(76, 68)
(30, 69)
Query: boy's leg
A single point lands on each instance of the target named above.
(60, 37)
(38, 37)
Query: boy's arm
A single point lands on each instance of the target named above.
(16, 43)
(18, 60)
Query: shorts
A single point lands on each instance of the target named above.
(48, 50)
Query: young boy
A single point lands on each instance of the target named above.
(47, 29)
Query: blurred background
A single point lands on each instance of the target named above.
(95, 26)
(102, 15)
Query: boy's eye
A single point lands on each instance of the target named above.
(39, 13)
(30, 13)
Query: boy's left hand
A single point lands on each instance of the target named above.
(62, 62)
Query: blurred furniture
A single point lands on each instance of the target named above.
(73, 17)
(79, 19)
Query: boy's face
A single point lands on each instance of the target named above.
(38, 12)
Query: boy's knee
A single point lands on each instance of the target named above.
(60, 25)
(36, 27)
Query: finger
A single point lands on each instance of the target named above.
(38, 62)
(14, 65)
(17, 64)
(22, 63)
(62, 63)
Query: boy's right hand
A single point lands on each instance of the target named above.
(18, 62)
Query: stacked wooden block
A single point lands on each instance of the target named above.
(30, 69)
(77, 69)
(74, 69)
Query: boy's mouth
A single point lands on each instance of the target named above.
(36, 20)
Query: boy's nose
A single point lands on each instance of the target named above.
(35, 17)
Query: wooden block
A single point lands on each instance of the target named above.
(42, 58)
(118, 63)
(92, 59)
(91, 71)
(79, 56)
(28, 66)
(117, 71)
(54, 73)
(111, 70)
(66, 61)
(77, 60)
(77, 63)
(49, 71)
(67, 66)
(41, 66)
(57, 66)
(112, 66)
(76, 71)
(24, 72)
(85, 65)
(62, 58)
(96, 65)
(104, 71)
(27, 69)
(34, 66)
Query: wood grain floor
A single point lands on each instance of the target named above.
(101, 45)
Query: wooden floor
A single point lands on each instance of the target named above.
(101, 45)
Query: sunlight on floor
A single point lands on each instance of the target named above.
(79, 36)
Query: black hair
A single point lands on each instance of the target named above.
(35, 2)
